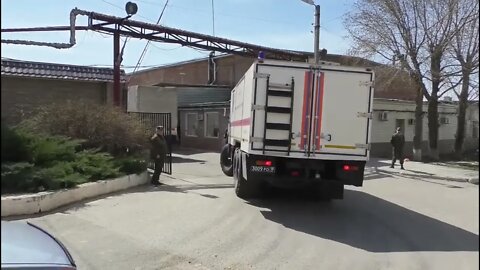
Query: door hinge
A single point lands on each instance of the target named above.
(367, 83)
(261, 75)
(258, 107)
(365, 114)
(256, 139)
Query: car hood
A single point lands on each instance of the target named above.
(24, 243)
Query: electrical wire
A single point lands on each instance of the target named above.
(142, 56)
(121, 8)
(164, 49)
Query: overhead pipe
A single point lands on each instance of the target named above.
(73, 16)
(212, 69)
(246, 48)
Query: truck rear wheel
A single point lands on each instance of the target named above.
(245, 189)
(226, 161)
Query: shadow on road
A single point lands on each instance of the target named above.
(367, 222)
(191, 151)
(176, 159)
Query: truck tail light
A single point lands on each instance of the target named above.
(295, 173)
(266, 163)
(350, 168)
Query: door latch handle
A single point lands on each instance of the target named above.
(327, 136)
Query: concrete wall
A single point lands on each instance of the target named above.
(28, 204)
(200, 141)
(20, 96)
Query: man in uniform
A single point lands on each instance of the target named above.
(397, 141)
(158, 152)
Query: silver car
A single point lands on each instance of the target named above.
(26, 246)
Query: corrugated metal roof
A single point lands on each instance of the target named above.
(29, 69)
(190, 96)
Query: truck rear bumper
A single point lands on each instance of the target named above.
(291, 173)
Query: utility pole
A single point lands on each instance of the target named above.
(116, 68)
(316, 44)
(316, 39)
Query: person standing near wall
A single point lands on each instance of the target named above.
(397, 141)
(158, 152)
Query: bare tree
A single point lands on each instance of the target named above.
(465, 50)
(418, 33)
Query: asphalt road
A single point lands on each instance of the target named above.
(196, 222)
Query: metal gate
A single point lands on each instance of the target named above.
(150, 121)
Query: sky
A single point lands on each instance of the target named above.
(284, 24)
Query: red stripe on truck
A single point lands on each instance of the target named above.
(320, 106)
(241, 122)
(306, 101)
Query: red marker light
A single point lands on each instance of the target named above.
(266, 163)
(348, 168)
(295, 173)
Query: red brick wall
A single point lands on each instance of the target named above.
(21, 96)
(392, 84)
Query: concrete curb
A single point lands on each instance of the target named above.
(45, 201)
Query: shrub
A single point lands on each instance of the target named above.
(101, 126)
(16, 177)
(96, 166)
(59, 175)
(48, 150)
(14, 145)
(131, 165)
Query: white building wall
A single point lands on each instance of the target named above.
(382, 131)
(396, 109)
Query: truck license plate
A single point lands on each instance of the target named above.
(262, 169)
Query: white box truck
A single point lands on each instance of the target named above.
(297, 125)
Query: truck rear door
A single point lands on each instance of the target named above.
(282, 97)
(340, 112)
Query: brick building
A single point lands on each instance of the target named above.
(389, 83)
(27, 85)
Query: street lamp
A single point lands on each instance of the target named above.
(316, 41)
(131, 8)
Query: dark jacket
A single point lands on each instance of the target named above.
(158, 147)
(398, 141)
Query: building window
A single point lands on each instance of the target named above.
(211, 124)
(192, 124)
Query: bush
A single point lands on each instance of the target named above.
(131, 165)
(16, 177)
(101, 126)
(59, 175)
(14, 145)
(49, 150)
(36, 162)
(96, 166)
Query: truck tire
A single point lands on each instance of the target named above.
(226, 161)
(243, 189)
